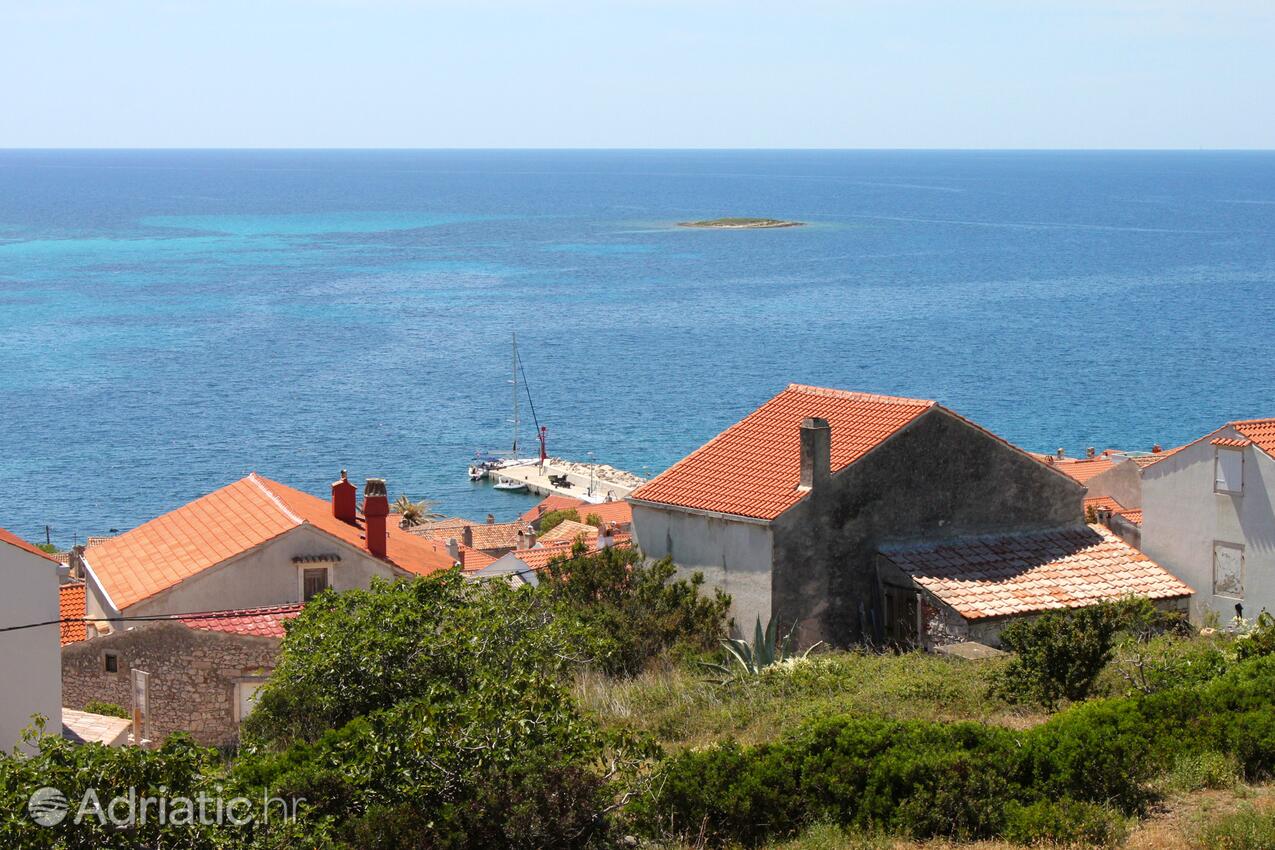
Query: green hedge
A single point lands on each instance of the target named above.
(1068, 777)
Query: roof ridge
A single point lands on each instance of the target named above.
(810, 389)
(239, 612)
(1255, 421)
(278, 500)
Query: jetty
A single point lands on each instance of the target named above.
(592, 482)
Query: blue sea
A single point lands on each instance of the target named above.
(170, 321)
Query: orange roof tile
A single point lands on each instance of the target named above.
(752, 468)
(1081, 469)
(1231, 443)
(552, 502)
(569, 530)
(252, 622)
(214, 528)
(1000, 575)
(1100, 502)
(14, 540)
(1260, 431)
(1134, 516)
(539, 557)
(72, 606)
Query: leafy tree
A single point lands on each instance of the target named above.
(636, 610)
(435, 713)
(549, 519)
(412, 514)
(594, 520)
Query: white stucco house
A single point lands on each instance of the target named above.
(30, 667)
(252, 544)
(1207, 516)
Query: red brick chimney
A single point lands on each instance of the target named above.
(344, 499)
(376, 507)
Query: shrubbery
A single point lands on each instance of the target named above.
(966, 780)
(551, 519)
(1059, 655)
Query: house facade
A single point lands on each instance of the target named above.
(254, 543)
(1207, 516)
(204, 670)
(789, 509)
(29, 665)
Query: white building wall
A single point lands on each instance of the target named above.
(263, 576)
(30, 659)
(734, 555)
(1183, 519)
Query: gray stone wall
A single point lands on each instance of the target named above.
(939, 478)
(192, 676)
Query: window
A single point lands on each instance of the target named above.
(1228, 468)
(111, 662)
(1228, 570)
(314, 580)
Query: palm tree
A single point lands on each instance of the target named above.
(415, 513)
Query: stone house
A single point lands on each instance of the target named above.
(791, 509)
(204, 669)
(253, 543)
(1207, 516)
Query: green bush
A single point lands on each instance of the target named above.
(551, 519)
(1258, 641)
(1067, 822)
(106, 709)
(633, 610)
(1059, 655)
(959, 780)
(1196, 771)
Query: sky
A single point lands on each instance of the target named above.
(638, 73)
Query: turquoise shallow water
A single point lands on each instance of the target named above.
(171, 320)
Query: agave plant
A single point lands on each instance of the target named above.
(766, 650)
(414, 513)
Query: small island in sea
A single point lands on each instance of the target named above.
(737, 223)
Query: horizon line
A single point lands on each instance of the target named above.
(619, 149)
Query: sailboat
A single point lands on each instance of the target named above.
(484, 464)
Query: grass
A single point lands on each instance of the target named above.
(681, 708)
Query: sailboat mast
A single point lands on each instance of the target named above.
(517, 421)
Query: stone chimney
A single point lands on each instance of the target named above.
(816, 452)
(376, 507)
(453, 548)
(491, 519)
(467, 535)
(1090, 453)
(529, 537)
(344, 499)
(1061, 454)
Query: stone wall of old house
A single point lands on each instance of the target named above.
(939, 478)
(193, 675)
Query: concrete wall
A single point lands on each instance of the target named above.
(734, 555)
(1183, 518)
(193, 675)
(265, 576)
(29, 681)
(940, 477)
(1122, 482)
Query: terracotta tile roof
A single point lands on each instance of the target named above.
(253, 622)
(1230, 443)
(1146, 460)
(1100, 502)
(1134, 516)
(495, 536)
(1260, 431)
(474, 559)
(539, 557)
(14, 540)
(1080, 468)
(71, 606)
(618, 511)
(752, 468)
(201, 534)
(1003, 575)
(569, 530)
